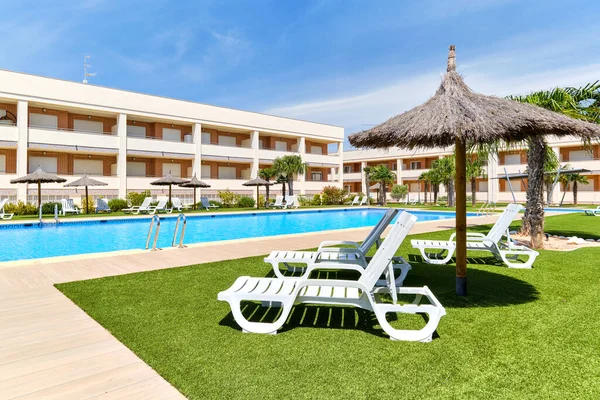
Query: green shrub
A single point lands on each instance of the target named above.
(399, 192)
(117, 204)
(21, 208)
(332, 195)
(442, 199)
(246, 202)
(316, 200)
(303, 200)
(48, 208)
(136, 199)
(261, 201)
(92, 204)
(228, 198)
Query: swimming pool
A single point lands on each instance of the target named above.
(22, 242)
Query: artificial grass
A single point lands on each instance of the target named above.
(519, 334)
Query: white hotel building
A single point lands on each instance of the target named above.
(129, 139)
(409, 165)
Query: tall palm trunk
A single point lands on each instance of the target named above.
(283, 188)
(450, 187)
(266, 196)
(436, 189)
(426, 189)
(473, 191)
(575, 192)
(291, 186)
(533, 221)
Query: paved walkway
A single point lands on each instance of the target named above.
(51, 349)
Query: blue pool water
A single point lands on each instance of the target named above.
(560, 209)
(72, 237)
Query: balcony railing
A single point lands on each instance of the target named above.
(244, 146)
(274, 149)
(46, 128)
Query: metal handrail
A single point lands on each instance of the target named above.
(154, 217)
(179, 217)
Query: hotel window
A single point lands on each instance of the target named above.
(580, 155)
(347, 169)
(394, 166)
(48, 164)
(90, 167)
(261, 144)
(227, 141)
(205, 138)
(280, 145)
(88, 126)
(205, 172)
(483, 186)
(2, 163)
(172, 135)
(227, 172)
(136, 131)
(316, 150)
(246, 173)
(136, 168)
(43, 121)
(512, 159)
(316, 176)
(415, 165)
(172, 168)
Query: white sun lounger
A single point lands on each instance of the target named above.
(206, 204)
(69, 207)
(145, 207)
(161, 207)
(594, 212)
(102, 205)
(356, 254)
(506, 252)
(363, 293)
(356, 201)
(278, 202)
(291, 202)
(176, 204)
(4, 215)
(364, 201)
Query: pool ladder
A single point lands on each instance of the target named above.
(156, 232)
(180, 217)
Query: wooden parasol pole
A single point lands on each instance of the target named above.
(169, 205)
(194, 205)
(39, 195)
(87, 202)
(461, 217)
(257, 195)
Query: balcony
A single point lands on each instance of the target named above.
(592, 165)
(159, 145)
(352, 177)
(333, 160)
(221, 150)
(413, 173)
(66, 137)
(9, 132)
(267, 153)
(511, 169)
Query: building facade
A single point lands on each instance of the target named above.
(409, 165)
(129, 139)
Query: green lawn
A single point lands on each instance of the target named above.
(519, 334)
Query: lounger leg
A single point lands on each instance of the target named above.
(259, 327)
(424, 334)
(508, 258)
(439, 261)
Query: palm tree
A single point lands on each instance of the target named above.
(383, 175)
(576, 179)
(289, 166)
(434, 181)
(368, 171)
(580, 103)
(266, 174)
(444, 168)
(425, 178)
(283, 180)
(475, 170)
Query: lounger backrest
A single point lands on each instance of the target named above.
(64, 204)
(146, 202)
(176, 202)
(162, 203)
(204, 201)
(385, 253)
(502, 224)
(378, 229)
(70, 204)
(278, 200)
(101, 204)
(3, 203)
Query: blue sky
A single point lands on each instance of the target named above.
(347, 63)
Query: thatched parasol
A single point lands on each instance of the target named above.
(457, 116)
(39, 177)
(258, 182)
(194, 183)
(86, 181)
(169, 180)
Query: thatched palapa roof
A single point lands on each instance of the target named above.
(169, 180)
(456, 111)
(257, 182)
(195, 183)
(85, 180)
(38, 176)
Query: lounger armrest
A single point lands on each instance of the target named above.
(470, 236)
(336, 250)
(329, 243)
(333, 283)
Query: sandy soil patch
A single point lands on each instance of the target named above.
(555, 243)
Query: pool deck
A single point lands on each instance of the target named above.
(50, 348)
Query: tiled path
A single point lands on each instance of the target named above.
(51, 349)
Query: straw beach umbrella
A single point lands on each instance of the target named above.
(169, 180)
(194, 183)
(258, 182)
(39, 177)
(86, 181)
(456, 116)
